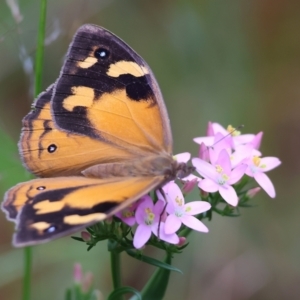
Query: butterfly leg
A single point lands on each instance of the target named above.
(163, 211)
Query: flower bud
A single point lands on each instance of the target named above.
(86, 236)
(77, 273)
(182, 241)
(252, 192)
(189, 185)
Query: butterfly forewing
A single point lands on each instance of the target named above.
(107, 92)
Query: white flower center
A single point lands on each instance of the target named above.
(179, 212)
(222, 178)
(149, 219)
(256, 166)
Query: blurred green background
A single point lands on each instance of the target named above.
(233, 62)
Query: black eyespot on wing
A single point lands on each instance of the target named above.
(52, 148)
(102, 53)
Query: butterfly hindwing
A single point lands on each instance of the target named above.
(50, 208)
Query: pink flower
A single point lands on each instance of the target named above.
(127, 214)
(181, 213)
(256, 168)
(77, 273)
(220, 176)
(235, 136)
(148, 218)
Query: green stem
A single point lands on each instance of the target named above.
(27, 273)
(115, 261)
(157, 285)
(37, 90)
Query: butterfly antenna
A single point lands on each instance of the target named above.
(229, 133)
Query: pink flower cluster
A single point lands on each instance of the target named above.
(165, 216)
(225, 156)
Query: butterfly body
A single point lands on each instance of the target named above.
(99, 138)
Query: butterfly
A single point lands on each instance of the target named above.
(99, 138)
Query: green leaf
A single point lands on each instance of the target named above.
(77, 238)
(124, 290)
(152, 261)
(90, 247)
(158, 283)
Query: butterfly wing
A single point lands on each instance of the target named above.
(47, 151)
(44, 209)
(104, 112)
(107, 92)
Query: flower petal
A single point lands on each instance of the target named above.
(209, 129)
(140, 214)
(257, 140)
(205, 169)
(264, 181)
(183, 157)
(194, 223)
(207, 140)
(269, 163)
(172, 191)
(196, 207)
(170, 238)
(223, 142)
(208, 185)
(158, 209)
(141, 236)
(219, 128)
(172, 224)
(229, 195)
(224, 161)
(203, 152)
(237, 174)
(243, 139)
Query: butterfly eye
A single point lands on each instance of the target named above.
(102, 53)
(40, 188)
(52, 148)
(51, 229)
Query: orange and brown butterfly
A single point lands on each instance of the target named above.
(99, 138)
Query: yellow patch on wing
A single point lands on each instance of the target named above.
(87, 63)
(82, 96)
(77, 219)
(74, 153)
(40, 226)
(126, 67)
(47, 206)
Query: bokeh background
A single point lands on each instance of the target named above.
(234, 62)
